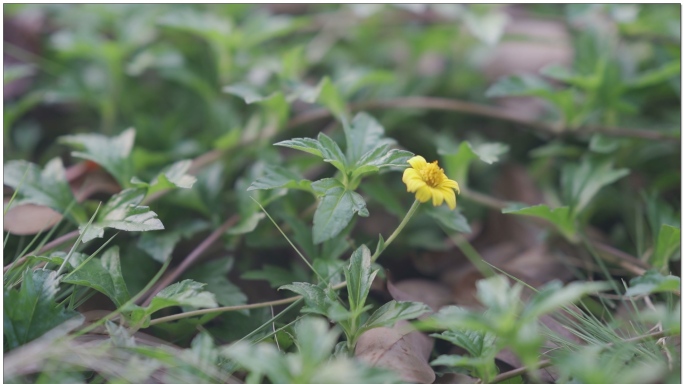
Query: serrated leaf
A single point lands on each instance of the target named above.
(103, 275)
(31, 311)
(653, 282)
(359, 278)
(315, 340)
(332, 152)
(48, 187)
(316, 299)
(280, 177)
(667, 244)
(364, 135)
(381, 157)
(393, 311)
(122, 212)
(554, 296)
(560, 217)
(451, 219)
(112, 154)
(582, 182)
(184, 293)
(335, 211)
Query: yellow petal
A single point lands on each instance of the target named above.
(413, 185)
(450, 198)
(417, 162)
(423, 194)
(437, 197)
(447, 183)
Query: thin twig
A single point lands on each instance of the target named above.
(547, 362)
(191, 258)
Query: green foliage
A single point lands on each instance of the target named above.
(47, 187)
(504, 323)
(311, 362)
(159, 123)
(31, 311)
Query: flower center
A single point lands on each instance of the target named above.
(432, 174)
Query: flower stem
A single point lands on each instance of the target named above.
(396, 232)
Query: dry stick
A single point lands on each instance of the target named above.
(547, 362)
(191, 258)
(486, 111)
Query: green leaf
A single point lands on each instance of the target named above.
(560, 217)
(519, 85)
(656, 76)
(331, 98)
(476, 343)
(280, 177)
(113, 154)
(584, 181)
(324, 147)
(259, 359)
(457, 162)
(603, 144)
(359, 278)
(332, 152)
(214, 274)
(322, 186)
(653, 282)
(450, 219)
(31, 311)
(394, 311)
(122, 212)
(160, 246)
(364, 135)
(381, 157)
(246, 91)
(335, 211)
(103, 275)
(317, 300)
(184, 293)
(668, 243)
(554, 296)
(174, 176)
(315, 340)
(48, 187)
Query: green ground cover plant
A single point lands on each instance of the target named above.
(342, 193)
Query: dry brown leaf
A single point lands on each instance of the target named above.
(400, 349)
(29, 219)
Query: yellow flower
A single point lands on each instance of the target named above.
(428, 181)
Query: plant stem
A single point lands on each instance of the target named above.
(396, 232)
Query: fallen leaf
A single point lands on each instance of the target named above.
(400, 349)
(29, 219)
